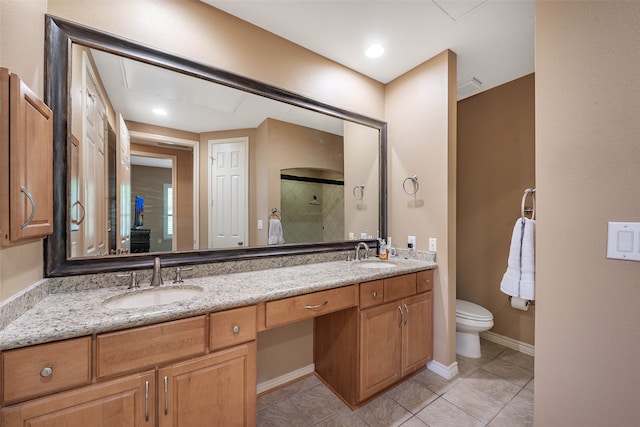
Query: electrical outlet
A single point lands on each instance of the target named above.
(260, 224)
(412, 240)
(433, 244)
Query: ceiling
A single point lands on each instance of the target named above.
(135, 89)
(493, 39)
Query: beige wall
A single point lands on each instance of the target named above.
(496, 160)
(22, 52)
(200, 32)
(421, 111)
(587, 157)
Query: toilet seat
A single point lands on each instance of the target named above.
(470, 311)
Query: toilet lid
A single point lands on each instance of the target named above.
(471, 311)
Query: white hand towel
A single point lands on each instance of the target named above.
(275, 232)
(527, 266)
(510, 283)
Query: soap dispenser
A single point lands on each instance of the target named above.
(383, 253)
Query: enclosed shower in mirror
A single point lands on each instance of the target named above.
(312, 205)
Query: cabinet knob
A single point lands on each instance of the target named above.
(46, 372)
(427, 281)
(374, 294)
(236, 329)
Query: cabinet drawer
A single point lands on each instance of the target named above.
(371, 293)
(25, 374)
(232, 327)
(399, 287)
(425, 281)
(148, 346)
(292, 309)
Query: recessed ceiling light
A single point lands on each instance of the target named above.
(160, 111)
(374, 51)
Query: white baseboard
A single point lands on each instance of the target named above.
(509, 342)
(286, 378)
(446, 372)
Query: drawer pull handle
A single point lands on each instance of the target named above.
(46, 372)
(374, 294)
(146, 401)
(236, 329)
(166, 395)
(312, 307)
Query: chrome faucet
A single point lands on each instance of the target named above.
(362, 245)
(156, 278)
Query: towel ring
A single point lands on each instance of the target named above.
(528, 192)
(275, 213)
(358, 192)
(416, 185)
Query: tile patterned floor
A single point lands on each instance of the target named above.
(495, 390)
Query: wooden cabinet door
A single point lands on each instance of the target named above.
(214, 390)
(417, 333)
(380, 348)
(126, 402)
(27, 152)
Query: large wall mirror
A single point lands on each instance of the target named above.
(158, 155)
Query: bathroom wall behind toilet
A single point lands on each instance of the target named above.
(496, 160)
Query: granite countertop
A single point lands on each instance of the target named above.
(73, 314)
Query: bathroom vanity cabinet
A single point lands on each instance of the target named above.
(363, 351)
(201, 370)
(161, 372)
(26, 162)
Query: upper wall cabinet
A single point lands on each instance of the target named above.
(26, 149)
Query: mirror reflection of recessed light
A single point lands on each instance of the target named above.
(374, 51)
(160, 111)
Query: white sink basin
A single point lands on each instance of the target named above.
(152, 297)
(373, 264)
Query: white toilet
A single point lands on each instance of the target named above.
(471, 319)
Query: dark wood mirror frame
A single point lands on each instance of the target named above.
(59, 35)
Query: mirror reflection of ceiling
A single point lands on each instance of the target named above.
(135, 89)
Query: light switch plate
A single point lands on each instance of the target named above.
(433, 244)
(623, 241)
(260, 224)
